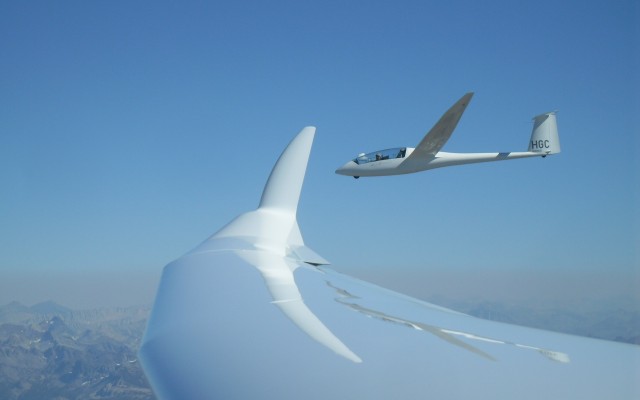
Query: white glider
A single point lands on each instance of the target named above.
(427, 155)
(252, 313)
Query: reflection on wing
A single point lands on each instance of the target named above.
(441, 131)
(277, 273)
(272, 242)
(345, 298)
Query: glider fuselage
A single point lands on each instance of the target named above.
(407, 165)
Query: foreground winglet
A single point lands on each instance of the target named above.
(283, 188)
(273, 225)
(442, 130)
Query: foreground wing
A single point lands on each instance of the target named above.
(215, 333)
(253, 313)
(442, 130)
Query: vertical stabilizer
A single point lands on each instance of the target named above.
(544, 138)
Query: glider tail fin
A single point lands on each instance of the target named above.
(544, 138)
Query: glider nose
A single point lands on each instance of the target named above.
(346, 169)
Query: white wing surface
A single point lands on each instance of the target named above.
(253, 313)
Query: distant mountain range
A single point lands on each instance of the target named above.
(48, 351)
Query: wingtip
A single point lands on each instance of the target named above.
(464, 100)
(554, 112)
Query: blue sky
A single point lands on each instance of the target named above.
(131, 131)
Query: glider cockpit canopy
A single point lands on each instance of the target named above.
(397, 152)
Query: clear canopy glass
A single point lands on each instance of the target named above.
(398, 152)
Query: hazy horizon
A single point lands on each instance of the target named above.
(563, 289)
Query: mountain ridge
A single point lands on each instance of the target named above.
(51, 351)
